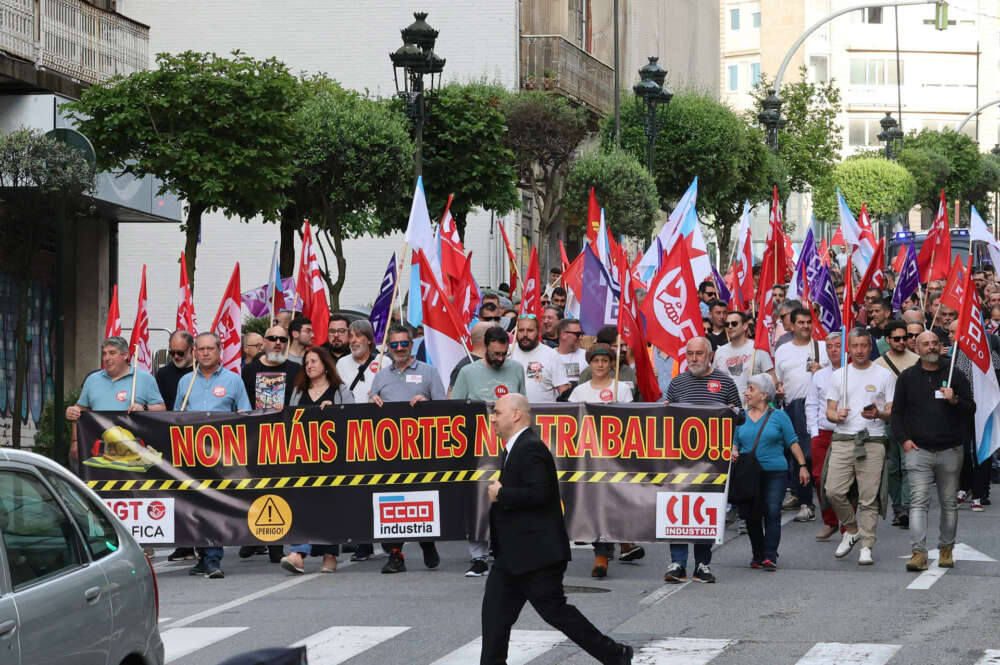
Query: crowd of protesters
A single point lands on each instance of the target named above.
(846, 442)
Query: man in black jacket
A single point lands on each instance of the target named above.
(530, 545)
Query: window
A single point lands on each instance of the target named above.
(734, 19)
(37, 534)
(734, 77)
(819, 68)
(756, 19)
(98, 532)
(871, 15)
(868, 71)
(579, 14)
(754, 73)
(864, 132)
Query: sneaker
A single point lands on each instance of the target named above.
(702, 573)
(600, 568)
(675, 574)
(755, 563)
(477, 568)
(431, 557)
(395, 564)
(181, 554)
(945, 557)
(865, 557)
(790, 503)
(198, 568)
(360, 556)
(624, 654)
(768, 565)
(902, 521)
(631, 552)
(986, 501)
(291, 566)
(805, 514)
(846, 544)
(977, 506)
(247, 551)
(917, 561)
(826, 532)
(961, 496)
(214, 572)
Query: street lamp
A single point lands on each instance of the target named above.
(891, 135)
(770, 117)
(650, 89)
(416, 59)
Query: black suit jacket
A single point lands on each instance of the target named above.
(527, 530)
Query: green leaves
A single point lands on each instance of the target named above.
(950, 161)
(623, 186)
(886, 187)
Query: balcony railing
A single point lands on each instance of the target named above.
(553, 62)
(73, 38)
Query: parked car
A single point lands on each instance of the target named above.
(959, 243)
(75, 586)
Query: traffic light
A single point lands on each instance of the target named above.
(941, 15)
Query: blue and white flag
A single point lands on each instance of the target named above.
(420, 235)
(381, 309)
(909, 278)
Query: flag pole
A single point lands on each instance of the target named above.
(951, 370)
(194, 375)
(392, 303)
(135, 370)
(618, 360)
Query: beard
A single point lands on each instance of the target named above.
(275, 357)
(341, 348)
(527, 344)
(494, 361)
(931, 358)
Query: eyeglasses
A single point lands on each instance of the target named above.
(900, 338)
(578, 333)
(253, 346)
(910, 336)
(177, 354)
(711, 294)
(491, 319)
(335, 331)
(276, 338)
(403, 344)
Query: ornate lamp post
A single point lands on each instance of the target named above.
(770, 117)
(891, 135)
(411, 62)
(650, 89)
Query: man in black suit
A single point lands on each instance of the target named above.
(530, 545)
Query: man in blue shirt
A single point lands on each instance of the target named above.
(111, 389)
(214, 388)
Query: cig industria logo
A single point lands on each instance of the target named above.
(406, 514)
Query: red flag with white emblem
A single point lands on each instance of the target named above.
(874, 276)
(954, 289)
(671, 306)
(452, 252)
(138, 346)
(113, 326)
(227, 323)
(185, 308)
(310, 295)
(446, 338)
(934, 258)
(531, 295)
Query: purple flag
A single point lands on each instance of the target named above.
(720, 285)
(383, 303)
(599, 301)
(821, 289)
(908, 280)
(255, 300)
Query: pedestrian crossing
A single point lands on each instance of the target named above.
(340, 644)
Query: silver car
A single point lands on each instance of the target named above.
(75, 587)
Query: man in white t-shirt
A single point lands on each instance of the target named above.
(574, 359)
(359, 367)
(735, 357)
(795, 362)
(544, 377)
(857, 451)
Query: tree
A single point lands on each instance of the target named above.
(624, 187)
(955, 161)
(885, 186)
(809, 144)
(217, 131)
(42, 180)
(699, 136)
(544, 131)
(465, 154)
(352, 173)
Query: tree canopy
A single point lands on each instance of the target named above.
(623, 186)
(885, 186)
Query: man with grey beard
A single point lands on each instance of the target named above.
(932, 419)
(268, 379)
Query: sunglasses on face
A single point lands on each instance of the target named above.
(900, 338)
(711, 294)
(404, 344)
(577, 333)
(491, 319)
(276, 338)
(177, 354)
(733, 324)
(910, 335)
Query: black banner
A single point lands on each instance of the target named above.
(358, 473)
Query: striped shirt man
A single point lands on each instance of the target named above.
(711, 389)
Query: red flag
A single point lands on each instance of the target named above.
(824, 253)
(452, 251)
(467, 296)
(303, 290)
(511, 259)
(742, 288)
(971, 336)
(867, 236)
(185, 308)
(875, 276)
(593, 217)
(632, 334)
(446, 338)
(838, 238)
(779, 244)
(573, 276)
(113, 326)
(309, 290)
(671, 306)
(531, 296)
(227, 323)
(934, 258)
(899, 261)
(138, 346)
(765, 305)
(955, 286)
(563, 263)
(847, 315)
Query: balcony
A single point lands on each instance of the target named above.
(551, 62)
(73, 38)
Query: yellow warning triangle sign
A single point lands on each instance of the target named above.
(269, 515)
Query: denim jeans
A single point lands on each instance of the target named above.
(212, 555)
(796, 410)
(764, 528)
(941, 468)
(679, 553)
(315, 550)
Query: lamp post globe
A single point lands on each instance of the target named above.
(650, 90)
(891, 135)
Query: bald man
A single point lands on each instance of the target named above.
(252, 344)
(530, 545)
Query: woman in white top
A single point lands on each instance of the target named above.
(601, 387)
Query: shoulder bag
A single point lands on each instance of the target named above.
(746, 473)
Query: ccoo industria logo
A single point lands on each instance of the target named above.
(406, 514)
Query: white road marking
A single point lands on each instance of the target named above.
(836, 653)
(525, 646)
(661, 593)
(680, 651)
(927, 578)
(164, 619)
(990, 657)
(788, 517)
(961, 552)
(179, 642)
(339, 643)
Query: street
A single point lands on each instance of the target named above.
(815, 610)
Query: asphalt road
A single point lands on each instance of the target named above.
(815, 610)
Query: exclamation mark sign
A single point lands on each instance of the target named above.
(713, 439)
